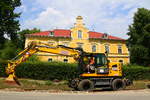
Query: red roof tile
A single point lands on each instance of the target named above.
(44, 33)
(95, 34)
(62, 33)
(67, 33)
(99, 35)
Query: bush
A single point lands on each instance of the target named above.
(46, 70)
(135, 72)
(64, 71)
(3, 64)
(33, 58)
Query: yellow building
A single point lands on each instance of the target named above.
(80, 36)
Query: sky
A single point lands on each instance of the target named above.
(106, 16)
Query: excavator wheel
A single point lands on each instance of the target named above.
(74, 83)
(118, 84)
(85, 85)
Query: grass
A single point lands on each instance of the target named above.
(140, 84)
(28, 85)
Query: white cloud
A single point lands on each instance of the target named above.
(112, 16)
(49, 18)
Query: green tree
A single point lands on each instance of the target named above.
(9, 51)
(139, 37)
(9, 24)
(22, 36)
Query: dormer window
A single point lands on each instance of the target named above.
(79, 34)
(51, 34)
(105, 36)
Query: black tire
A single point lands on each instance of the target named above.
(74, 83)
(85, 85)
(118, 84)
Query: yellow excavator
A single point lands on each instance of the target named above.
(94, 69)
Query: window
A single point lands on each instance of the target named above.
(121, 61)
(93, 48)
(105, 36)
(79, 34)
(51, 34)
(50, 59)
(107, 48)
(100, 60)
(51, 43)
(80, 45)
(65, 60)
(65, 44)
(119, 49)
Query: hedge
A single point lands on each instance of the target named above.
(65, 71)
(44, 70)
(135, 72)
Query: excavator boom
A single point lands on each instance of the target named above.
(35, 47)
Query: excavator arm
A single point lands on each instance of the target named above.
(35, 47)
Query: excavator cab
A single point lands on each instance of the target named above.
(95, 63)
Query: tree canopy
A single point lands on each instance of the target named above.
(22, 33)
(9, 24)
(139, 37)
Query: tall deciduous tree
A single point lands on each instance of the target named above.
(139, 37)
(9, 24)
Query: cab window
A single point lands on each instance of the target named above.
(100, 60)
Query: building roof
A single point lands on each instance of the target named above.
(67, 33)
(98, 35)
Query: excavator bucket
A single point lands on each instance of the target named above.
(12, 80)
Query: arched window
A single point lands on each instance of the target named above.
(79, 34)
(93, 48)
